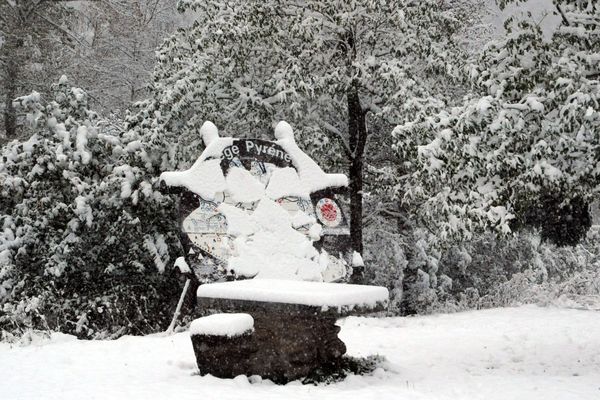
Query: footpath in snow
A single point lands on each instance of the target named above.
(521, 353)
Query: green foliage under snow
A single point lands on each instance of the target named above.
(84, 246)
(87, 241)
(523, 147)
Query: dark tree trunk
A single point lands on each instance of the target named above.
(357, 129)
(10, 118)
(10, 114)
(356, 207)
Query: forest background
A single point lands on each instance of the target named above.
(404, 97)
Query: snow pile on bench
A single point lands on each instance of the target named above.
(230, 325)
(319, 294)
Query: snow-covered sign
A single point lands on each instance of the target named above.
(265, 209)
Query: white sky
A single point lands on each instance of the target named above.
(542, 10)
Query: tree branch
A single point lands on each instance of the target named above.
(336, 132)
(61, 29)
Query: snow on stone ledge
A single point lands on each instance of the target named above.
(229, 325)
(319, 294)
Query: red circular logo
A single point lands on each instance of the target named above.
(329, 212)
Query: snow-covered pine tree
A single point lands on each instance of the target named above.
(83, 247)
(340, 71)
(524, 147)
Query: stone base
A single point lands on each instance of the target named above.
(283, 347)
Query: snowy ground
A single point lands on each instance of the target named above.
(519, 353)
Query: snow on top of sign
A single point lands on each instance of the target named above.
(283, 130)
(209, 132)
(286, 182)
(320, 294)
(301, 219)
(267, 245)
(311, 177)
(271, 216)
(214, 149)
(239, 221)
(183, 266)
(205, 178)
(243, 187)
(223, 325)
(314, 232)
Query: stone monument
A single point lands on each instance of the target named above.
(268, 243)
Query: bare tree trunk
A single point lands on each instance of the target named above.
(357, 129)
(10, 114)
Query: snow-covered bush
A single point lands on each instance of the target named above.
(84, 245)
(384, 255)
(425, 274)
(521, 151)
(564, 276)
(492, 271)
